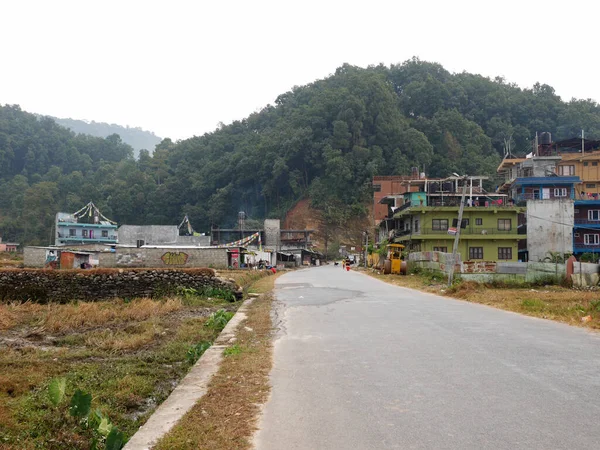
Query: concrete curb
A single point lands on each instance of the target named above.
(191, 388)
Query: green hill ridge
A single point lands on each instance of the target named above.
(324, 141)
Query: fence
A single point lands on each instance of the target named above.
(584, 274)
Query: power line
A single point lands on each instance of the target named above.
(566, 224)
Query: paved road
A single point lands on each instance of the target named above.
(360, 364)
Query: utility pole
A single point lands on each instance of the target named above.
(458, 228)
(366, 247)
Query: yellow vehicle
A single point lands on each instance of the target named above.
(394, 263)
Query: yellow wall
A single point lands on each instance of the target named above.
(589, 174)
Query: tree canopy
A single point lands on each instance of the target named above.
(324, 141)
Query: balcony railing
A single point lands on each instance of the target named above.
(587, 222)
(455, 201)
(399, 233)
(84, 239)
(465, 231)
(581, 247)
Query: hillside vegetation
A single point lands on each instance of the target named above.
(323, 141)
(137, 138)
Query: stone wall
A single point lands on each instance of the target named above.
(90, 285)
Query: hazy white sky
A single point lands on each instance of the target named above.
(178, 68)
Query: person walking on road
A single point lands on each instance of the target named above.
(343, 264)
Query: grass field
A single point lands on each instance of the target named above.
(575, 307)
(128, 355)
(11, 260)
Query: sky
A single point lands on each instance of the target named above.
(179, 68)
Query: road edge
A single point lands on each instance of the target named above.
(191, 388)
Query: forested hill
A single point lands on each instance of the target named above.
(324, 141)
(137, 138)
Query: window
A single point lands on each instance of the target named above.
(439, 224)
(72, 232)
(416, 225)
(475, 252)
(406, 226)
(575, 211)
(576, 234)
(591, 239)
(504, 252)
(479, 221)
(440, 249)
(585, 164)
(504, 224)
(590, 185)
(464, 223)
(560, 192)
(595, 164)
(376, 188)
(104, 233)
(594, 214)
(85, 233)
(566, 170)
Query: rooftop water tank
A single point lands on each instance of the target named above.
(545, 138)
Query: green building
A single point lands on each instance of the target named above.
(489, 233)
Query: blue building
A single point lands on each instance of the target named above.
(586, 227)
(86, 226)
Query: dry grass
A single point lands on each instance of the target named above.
(552, 302)
(265, 285)
(243, 277)
(132, 337)
(129, 361)
(548, 302)
(225, 418)
(58, 318)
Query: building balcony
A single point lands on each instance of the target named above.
(585, 248)
(86, 225)
(470, 232)
(588, 222)
(87, 240)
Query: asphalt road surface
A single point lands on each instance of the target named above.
(361, 364)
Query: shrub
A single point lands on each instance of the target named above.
(196, 351)
(218, 320)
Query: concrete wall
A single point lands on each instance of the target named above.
(433, 261)
(34, 257)
(585, 274)
(150, 234)
(492, 271)
(549, 227)
(170, 257)
(201, 241)
(272, 233)
(144, 257)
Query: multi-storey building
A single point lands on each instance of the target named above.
(548, 192)
(585, 166)
(489, 233)
(428, 220)
(86, 226)
(388, 193)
